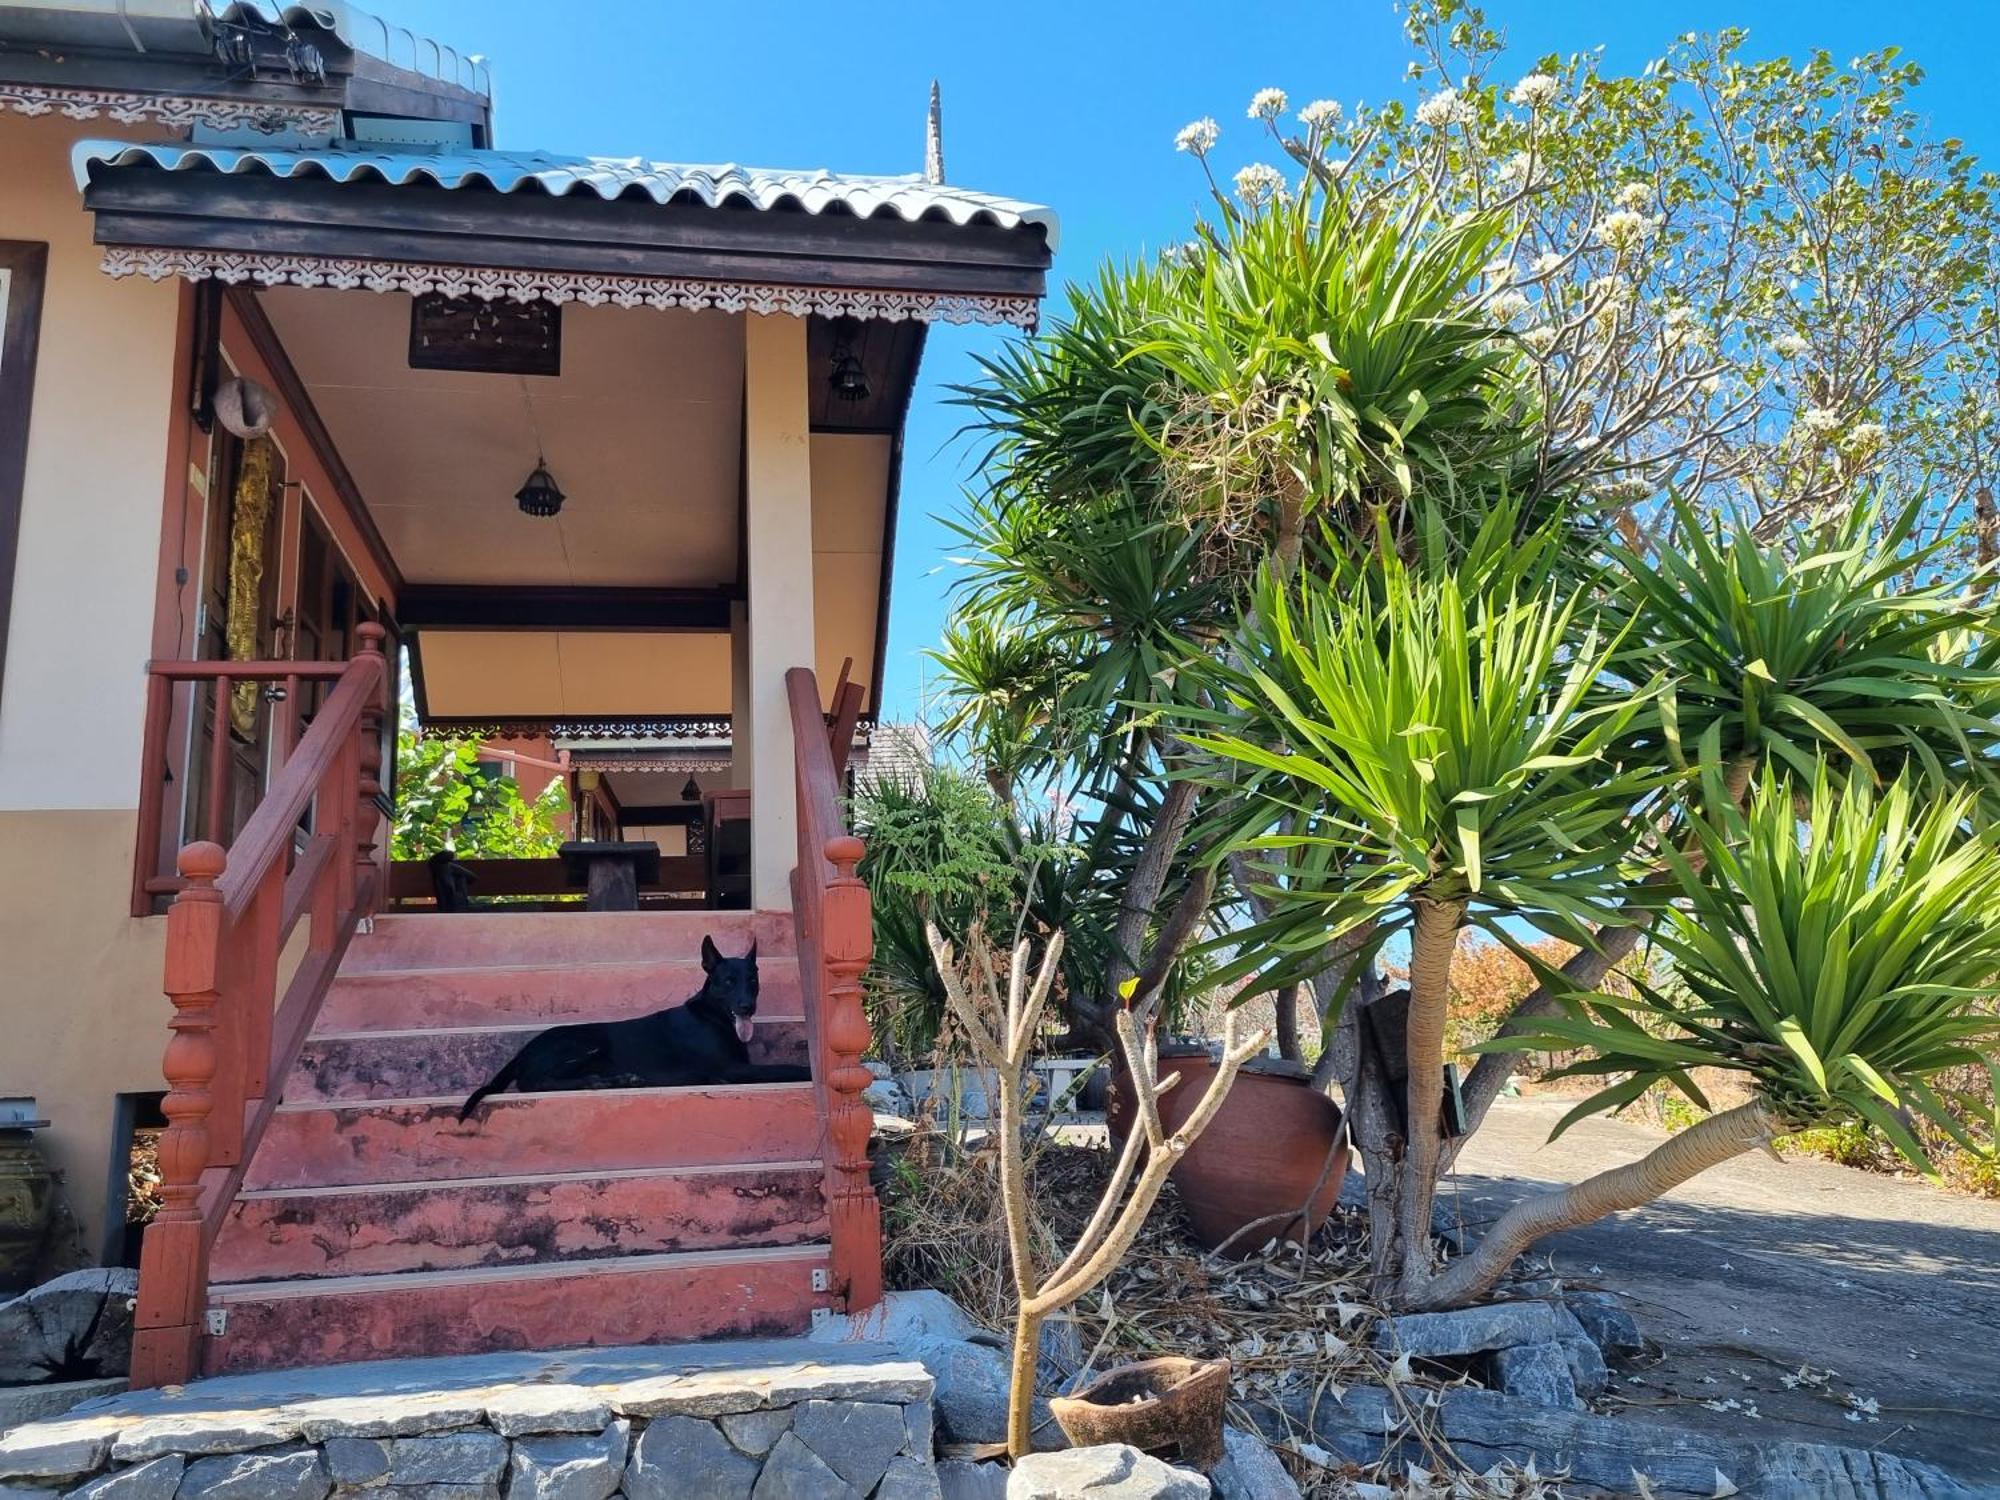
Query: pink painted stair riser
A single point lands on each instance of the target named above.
(503, 995)
(319, 1145)
(638, 1300)
(423, 1064)
(500, 1222)
(556, 939)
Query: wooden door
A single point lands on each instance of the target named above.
(238, 623)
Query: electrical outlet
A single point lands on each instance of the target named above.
(821, 1316)
(822, 1279)
(217, 1321)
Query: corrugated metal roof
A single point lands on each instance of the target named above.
(910, 198)
(186, 27)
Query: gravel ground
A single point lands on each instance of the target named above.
(1885, 1288)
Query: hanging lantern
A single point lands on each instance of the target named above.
(540, 496)
(848, 380)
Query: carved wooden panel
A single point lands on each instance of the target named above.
(497, 336)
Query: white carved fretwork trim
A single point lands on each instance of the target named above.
(179, 111)
(344, 274)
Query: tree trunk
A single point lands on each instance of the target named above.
(1716, 1139)
(1285, 1004)
(1432, 944)
(1021, 1385)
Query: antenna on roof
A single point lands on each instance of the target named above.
(934, 139)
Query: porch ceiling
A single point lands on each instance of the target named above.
(641, 429)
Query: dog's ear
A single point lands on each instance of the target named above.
(710, 954)
(752, 954)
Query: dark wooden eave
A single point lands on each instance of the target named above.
(248, 213)
(440, 606)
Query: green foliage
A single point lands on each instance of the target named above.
(1444, 747)
(1851, 652)
(1842, 966)
(444, 801)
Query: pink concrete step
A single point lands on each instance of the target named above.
(422, 1064)
(313, 1144)
(470, 939)
(641, 1299)
(502, 995)
(489, 1222)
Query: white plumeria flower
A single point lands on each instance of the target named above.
(1321, 114)
(1507, 305)
(1257, 184)
(1625, 230)
(1540, 339)
(1520, 167)
(1442, 108)
(1546, 264)
(1627, 488)
(1635, 196)
(1862, 440)
(1820, 421)
(1267, 104)
(1710, 385)
(1199, 138)
(1792, 345)
(1534, 91)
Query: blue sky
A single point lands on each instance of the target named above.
(1071, 104)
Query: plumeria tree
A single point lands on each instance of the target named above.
(1765, 281)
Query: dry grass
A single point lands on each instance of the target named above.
(1297, 1327)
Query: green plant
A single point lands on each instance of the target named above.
(444, 800)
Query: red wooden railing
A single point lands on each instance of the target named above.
(234, 1039)
(831, 907)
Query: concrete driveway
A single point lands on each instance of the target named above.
(1887, 1290)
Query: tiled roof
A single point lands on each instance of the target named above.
(814, 191)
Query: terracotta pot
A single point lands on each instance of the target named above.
(1260, 1155)
(1171, 1406)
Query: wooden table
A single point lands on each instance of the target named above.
(611, 873)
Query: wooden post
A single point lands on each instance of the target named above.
(173, 1280)
(369, 745)
(152, 790)
(846, 943)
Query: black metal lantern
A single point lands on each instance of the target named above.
(692, 791)
(849, 380)
(540, 496)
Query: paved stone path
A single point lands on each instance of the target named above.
(1757, 1267)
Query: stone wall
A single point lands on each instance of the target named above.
(753, 1427)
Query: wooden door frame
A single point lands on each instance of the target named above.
(27, 263)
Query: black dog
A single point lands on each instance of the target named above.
(701, 1041)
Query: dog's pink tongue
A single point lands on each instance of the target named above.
(745, 1025)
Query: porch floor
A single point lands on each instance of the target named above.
(847, 1419)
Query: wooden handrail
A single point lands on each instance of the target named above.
(831, 908)
(234, 1039)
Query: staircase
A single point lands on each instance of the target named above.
(371, 1224)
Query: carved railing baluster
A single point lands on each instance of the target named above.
(848, 940)
(173, 1280)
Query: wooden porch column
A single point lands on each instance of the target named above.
(778, 490)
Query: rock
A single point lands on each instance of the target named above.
(678, 1456)
(755, 1431)
(570, 1466)
(901, 1318)
(530, 1409)
(357, 1461)
(1061, 1354)
(54, 1450)
(474, 1458)
(701, 1394)
(909, 1479)
(1606, 1322)
(1110, 1471)
(21, 1404)
(274, 1474)
(920, 1429)
(156, 1479)
(76, 1327)
(1250, 1470)
(959, 1479)
(856, 1438)
(196, 1433)
(887, 1380)
(886, 1097)
(1820, 1471)
(1537, 1373)
(1587, 1370)
(1475, 1330)
(795, 1472)
(386, 1416)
